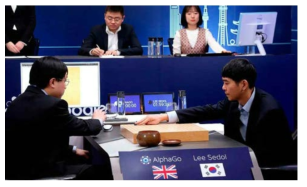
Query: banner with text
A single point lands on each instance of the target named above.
(188, 164)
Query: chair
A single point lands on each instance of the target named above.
(170, 45)
(287, 172)
(170, 42)
(64, 177)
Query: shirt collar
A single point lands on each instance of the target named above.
(249, 103)
(110, 32)
(41, 89)
(44, 91)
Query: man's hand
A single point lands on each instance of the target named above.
(152, 119)
(20, 45)
(99, 114)
(226, 52)
(83, 153)
(112, 52)
(97, 52)
(11, 47)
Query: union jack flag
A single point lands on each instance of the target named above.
(165, 172)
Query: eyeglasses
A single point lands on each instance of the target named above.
(115, 19)
(67, 82)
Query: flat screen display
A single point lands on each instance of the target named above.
(252, 23)
(132, 103)
(84, 86)
(157, 102)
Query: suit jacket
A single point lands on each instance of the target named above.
(268, 133)
(25, 20)
(128, 44)
(37, 130)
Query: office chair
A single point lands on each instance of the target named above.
(64, 177)
(170, 45)
(59, 177)
(287, 172)
(170, 42)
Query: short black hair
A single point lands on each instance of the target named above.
(115, 9)
(239, 69)
(46, 68)
(184, 22)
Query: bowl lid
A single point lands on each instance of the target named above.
(171, 142)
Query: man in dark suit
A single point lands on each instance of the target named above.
(38, 126)
(113, 37)
(251, 115)
(20, 22)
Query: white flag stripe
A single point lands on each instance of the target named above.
(212, 170)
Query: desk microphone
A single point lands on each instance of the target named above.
(177, 55)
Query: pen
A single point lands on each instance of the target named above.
(97, 46)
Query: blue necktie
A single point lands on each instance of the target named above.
(244, 120)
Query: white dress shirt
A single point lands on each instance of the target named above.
(192, 36)
(14, 9)
(112, 40)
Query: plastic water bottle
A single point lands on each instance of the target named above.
(182, 99)
(151, 47)
(121, 103)
(159, 47)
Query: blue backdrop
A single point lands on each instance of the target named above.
(61, 29)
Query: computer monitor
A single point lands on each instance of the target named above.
(256, 28)
(84, 86)
(133, 103)
(157, 102)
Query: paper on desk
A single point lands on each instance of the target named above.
(110, 56)
(112, 148)
(35, 56)
(12, 57)
(15, 57)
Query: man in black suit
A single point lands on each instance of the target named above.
(112, 38)
(20, 22)
(251, 115)
(38, 126)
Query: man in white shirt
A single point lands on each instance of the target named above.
(113, 37)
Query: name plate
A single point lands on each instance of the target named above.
(187, 164)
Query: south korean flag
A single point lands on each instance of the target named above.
(212, 170)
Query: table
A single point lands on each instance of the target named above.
(216, 140)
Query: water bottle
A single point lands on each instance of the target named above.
(121, 103)
(159, 47)
(182, 99)
(151, 46)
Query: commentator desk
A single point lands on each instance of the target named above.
(199, 76)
